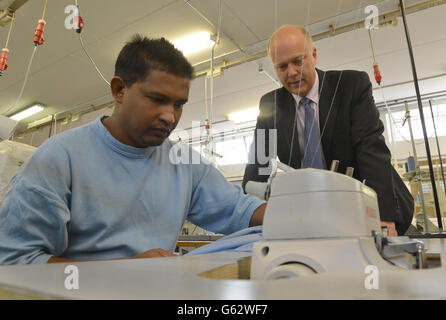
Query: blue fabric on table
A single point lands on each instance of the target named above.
(240, 241)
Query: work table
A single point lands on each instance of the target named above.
(179, 278)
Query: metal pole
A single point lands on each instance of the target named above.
(417, 168)
(420, 107)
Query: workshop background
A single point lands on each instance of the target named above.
(67, 74)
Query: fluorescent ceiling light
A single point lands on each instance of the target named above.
(27, 113)
(244, 116)
(40, 122)
(194, 43)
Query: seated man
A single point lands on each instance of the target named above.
(108, 190)
(324, 116)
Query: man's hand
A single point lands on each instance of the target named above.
(154, 253)
(390, 227)
(257, 216)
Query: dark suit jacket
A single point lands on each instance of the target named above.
(351, 132)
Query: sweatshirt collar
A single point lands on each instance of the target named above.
(124, 149)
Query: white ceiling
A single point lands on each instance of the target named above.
(63, 78)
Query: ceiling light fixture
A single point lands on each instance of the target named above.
(27, 112)
(194, 43)
(244, 116)
(40, 122)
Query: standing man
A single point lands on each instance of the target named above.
(108, 190)
(325, 116)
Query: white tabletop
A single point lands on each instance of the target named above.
(178, 278)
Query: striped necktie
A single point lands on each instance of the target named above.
(312, 152)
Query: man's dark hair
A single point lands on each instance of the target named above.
(141, 55)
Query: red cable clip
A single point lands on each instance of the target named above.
(378, 77)
(38, 35)
(4, 60)
(80, 24)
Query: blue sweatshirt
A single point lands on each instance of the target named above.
(84, 195)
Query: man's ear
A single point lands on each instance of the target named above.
(117, 86)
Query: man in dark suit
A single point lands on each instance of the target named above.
(339, 106)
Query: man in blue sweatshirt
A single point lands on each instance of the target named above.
(109, 190)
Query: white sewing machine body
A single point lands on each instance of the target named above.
(317, 221)
(313, 203)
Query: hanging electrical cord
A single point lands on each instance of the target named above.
(392, 120)
(80, 26)
(376, 71)
(333, 29)
(38, 40)
(44, 9)
(206, 105)
(10, 30)
(54, 132)
(92, 61)
(298, 93)
(38, 34)
(378, 79)
(53, 128)
(320, 90)
(28, 69)
(210, 108)
(5, 50)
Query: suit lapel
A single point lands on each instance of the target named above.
(286, 107)
(328, 107)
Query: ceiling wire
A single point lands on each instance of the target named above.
(320, 91)
(83, 46)
(389, 112)
(290, 156)
(212, 152)
(239, 48)
(92, 61)
(25, 80)
(44, 9)
(210, 145)
(28, 69)
(5, 50)
(378, 80)
(10, 29)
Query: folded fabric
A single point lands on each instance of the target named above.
(240, 241)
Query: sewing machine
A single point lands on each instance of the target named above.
(320, 221)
